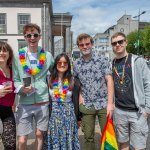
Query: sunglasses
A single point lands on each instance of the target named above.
(35, 35)
(120, 42)
(86, 44)
(60, 63)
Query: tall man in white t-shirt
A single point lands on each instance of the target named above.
(32, 63)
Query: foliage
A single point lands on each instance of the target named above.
(146, 40)
(134, 46)
(131, 37)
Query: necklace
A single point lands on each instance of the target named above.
(38, 68)
(60, 97)
(121, 78)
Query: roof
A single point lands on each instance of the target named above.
(24, 1)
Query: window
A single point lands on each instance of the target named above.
(103, 40)
(21, 44)
(23, 19)
(2, 23)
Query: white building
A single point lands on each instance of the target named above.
(102, 41)
(14, 20)
(14, 14)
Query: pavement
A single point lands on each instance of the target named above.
(31, 139)
(30, 143)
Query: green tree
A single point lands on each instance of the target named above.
(146, 40)
(132, 43)
(134, 46)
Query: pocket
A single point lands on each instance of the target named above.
(82, 126)
(81, 107)
(142, 125)
(88, 111)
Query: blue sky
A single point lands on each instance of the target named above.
(95, 16)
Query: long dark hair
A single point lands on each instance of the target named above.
(7, 47)
(67, 74)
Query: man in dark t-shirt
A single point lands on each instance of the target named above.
(132, 95)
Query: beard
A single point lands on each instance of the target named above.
(86, 51)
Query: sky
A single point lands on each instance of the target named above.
(96, 16)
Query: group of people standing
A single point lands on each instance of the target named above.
(61, 103)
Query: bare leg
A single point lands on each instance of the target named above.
(22, 142)
(39, 139)
(124, 146)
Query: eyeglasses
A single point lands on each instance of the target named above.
(86, 44)
(35, 35)
(120, 42)
(60, 63)
(3, 50)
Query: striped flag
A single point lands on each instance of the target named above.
(108, 140)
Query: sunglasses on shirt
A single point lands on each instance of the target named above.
(35, 35)
(120, 42)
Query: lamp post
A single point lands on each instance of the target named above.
(138, 34)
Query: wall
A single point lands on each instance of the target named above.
(12, 23)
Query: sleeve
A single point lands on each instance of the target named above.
(107, 66)
(146, 82)
(16, 77)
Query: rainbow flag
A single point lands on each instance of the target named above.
(108, 140)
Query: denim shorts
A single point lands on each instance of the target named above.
(132, 127)
(28, 116)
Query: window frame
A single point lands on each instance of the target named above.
(24, 43)
(4, 26)
(20, 26)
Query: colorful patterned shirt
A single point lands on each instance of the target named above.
(92, 76)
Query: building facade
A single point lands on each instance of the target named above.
(102, 41)
(14, 14)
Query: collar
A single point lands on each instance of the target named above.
(92, 58)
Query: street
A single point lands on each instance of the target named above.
(97, 139)
(81, 138)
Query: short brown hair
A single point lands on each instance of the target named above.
(118, 34)
(6, 46)
(31, 26)
(83, 36)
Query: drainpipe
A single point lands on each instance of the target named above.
(44, 26)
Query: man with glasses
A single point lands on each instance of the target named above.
(132, 95)
(97, 93)
(30, 68)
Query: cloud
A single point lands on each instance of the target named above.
(96, 16)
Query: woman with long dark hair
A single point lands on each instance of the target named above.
(7, 97)
(64, 92)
